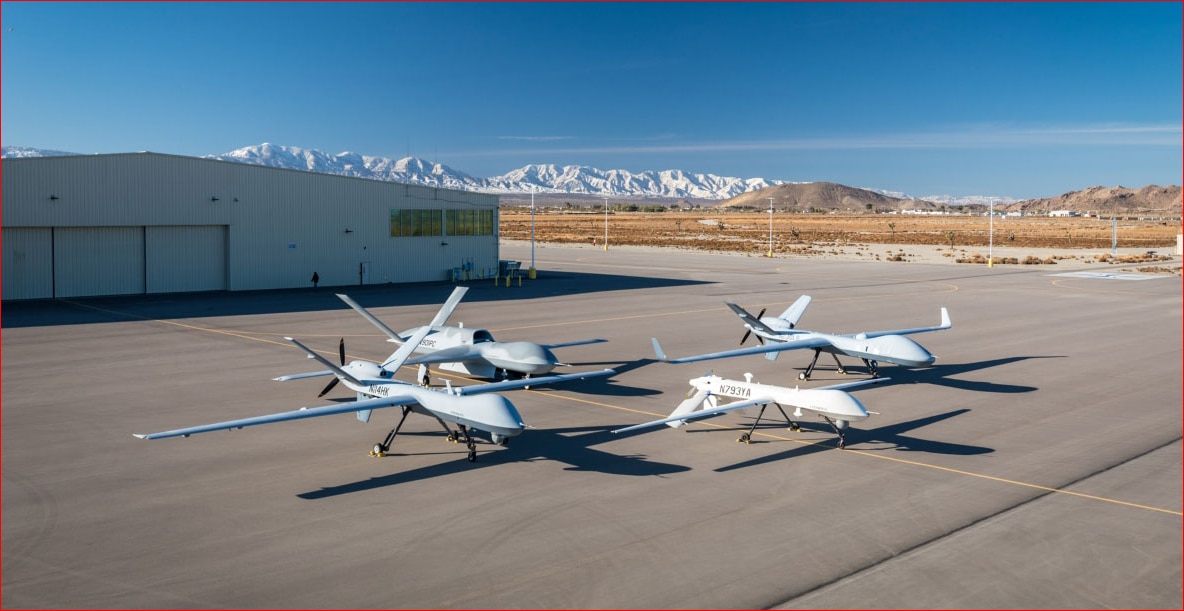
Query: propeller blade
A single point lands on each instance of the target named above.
(749, 331)
(329, 386)
(341, 350)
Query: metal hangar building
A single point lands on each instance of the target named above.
(129, 223)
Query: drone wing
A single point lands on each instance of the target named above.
(474, 389)
(795, 342)
(454, 354)
(699, 415)
(945, 324)
(299, 414)
(576, 343)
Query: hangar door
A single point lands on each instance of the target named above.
(52, 262)
(28, 262)
(98, 261)
(190, 258)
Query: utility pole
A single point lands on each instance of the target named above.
(991, 241)
(532, 272)
(606, 223)
(1114, 236)
(770, 227)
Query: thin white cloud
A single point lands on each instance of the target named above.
(536, 138)
(964, 137)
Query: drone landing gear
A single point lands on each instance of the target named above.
(838, 431)
(872, 368)
(381, 448)
(461, 433)
(805, 375)
(746, 438)
(469, 443)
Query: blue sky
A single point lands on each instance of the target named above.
(1008, 99)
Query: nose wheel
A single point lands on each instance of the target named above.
(838, 431)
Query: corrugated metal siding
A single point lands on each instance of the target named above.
(282, 224)
(98, 261)
(180, 259)
(28, 262)
(112, 190)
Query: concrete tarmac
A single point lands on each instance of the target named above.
(1036, 465)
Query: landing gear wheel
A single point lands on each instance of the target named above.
(795, 427)
(842, 372)
(378, 451)
(803, 376)
(472, 455)
(744, 439)
(842, 444)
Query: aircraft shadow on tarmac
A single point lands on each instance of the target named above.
(571, 446)
(165, 306)
(890, 437)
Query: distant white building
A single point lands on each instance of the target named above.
(137, 223)
(1064, 213)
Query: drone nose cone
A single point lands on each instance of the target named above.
(524, 357)
(497, 415)
(835, 403)
(904, 351)
(921, 357)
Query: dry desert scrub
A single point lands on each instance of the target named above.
(794, 233)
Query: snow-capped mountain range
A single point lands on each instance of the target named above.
(572, 179)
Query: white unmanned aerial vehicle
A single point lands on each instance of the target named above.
(831, 403)
(782, 335)
(470, 351)
(468, 407)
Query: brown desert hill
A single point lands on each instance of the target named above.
(820, 197)
(1106, 200)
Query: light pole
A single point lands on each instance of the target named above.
(532, 272)
(606, 223)
(770, 228)
(1114, 236)
(991, 240)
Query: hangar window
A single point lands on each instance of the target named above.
(407, 223)
(470, 222)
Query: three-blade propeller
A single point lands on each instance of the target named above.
(341, 356)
